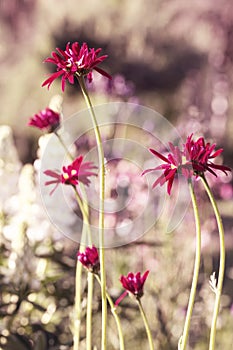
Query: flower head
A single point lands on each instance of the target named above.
(133, 284)
(90, 259)
(45, 119)
(193, 160)
(72, 174)
(76, 61)
(200, 154)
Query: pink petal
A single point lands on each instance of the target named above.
(157, 154)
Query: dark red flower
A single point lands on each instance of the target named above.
(200, 154)
(72, 174)
(45, 119)
(133, 284)
(76, 61)
(90, 259)
(174, 164)
(193, 160)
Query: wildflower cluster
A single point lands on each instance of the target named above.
(193, 159)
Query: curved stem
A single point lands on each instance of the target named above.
(78, 286)
(85, 214)
(147, 327)
(184, 338)
(83, 205)
(101, 210)
(90, 281)
(77, 304)
(218, 290)
(117, 319)
(64, 145)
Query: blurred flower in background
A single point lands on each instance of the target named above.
(45, 119)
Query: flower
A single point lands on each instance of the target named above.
(173, 165)
(72, 174)
(45, 119)
(199, 154)
(133, 283)
(76, 61)
(193, 160)
(90, 259)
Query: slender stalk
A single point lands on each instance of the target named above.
(83, 205)
(101, 210)
(90, 281)
(85, 214)
(115, 315)
(90, 277)
(77, 305)
(78, 290)
(146, 324)
(78, 273)
(64, 145)
(184, 338)
(218, 290)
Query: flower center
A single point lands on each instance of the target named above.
(183, 160)
(66, 176)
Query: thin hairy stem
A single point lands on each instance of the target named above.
(90, 281)
(146, 324)
(64, 145)
(83, 205)
(101, 210)
(218, 290)
(184, 338)
(115, 315)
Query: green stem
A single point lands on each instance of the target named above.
(64, 145)
(78, 305)
(218, 291)
(85, 214)
(147, 327)
(184, 339)
(101, 210)
(78, 274)
(90, 277)
(90, 281)
(78, 293)
(115, 315)
(83, 205)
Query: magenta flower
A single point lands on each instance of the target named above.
(133, 283)
(200, 154)
(72, 174)
(173, 165)
(90, 259)
(45, 119)
(76, 61)
(193, 160)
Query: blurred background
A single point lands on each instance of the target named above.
(172, 56)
